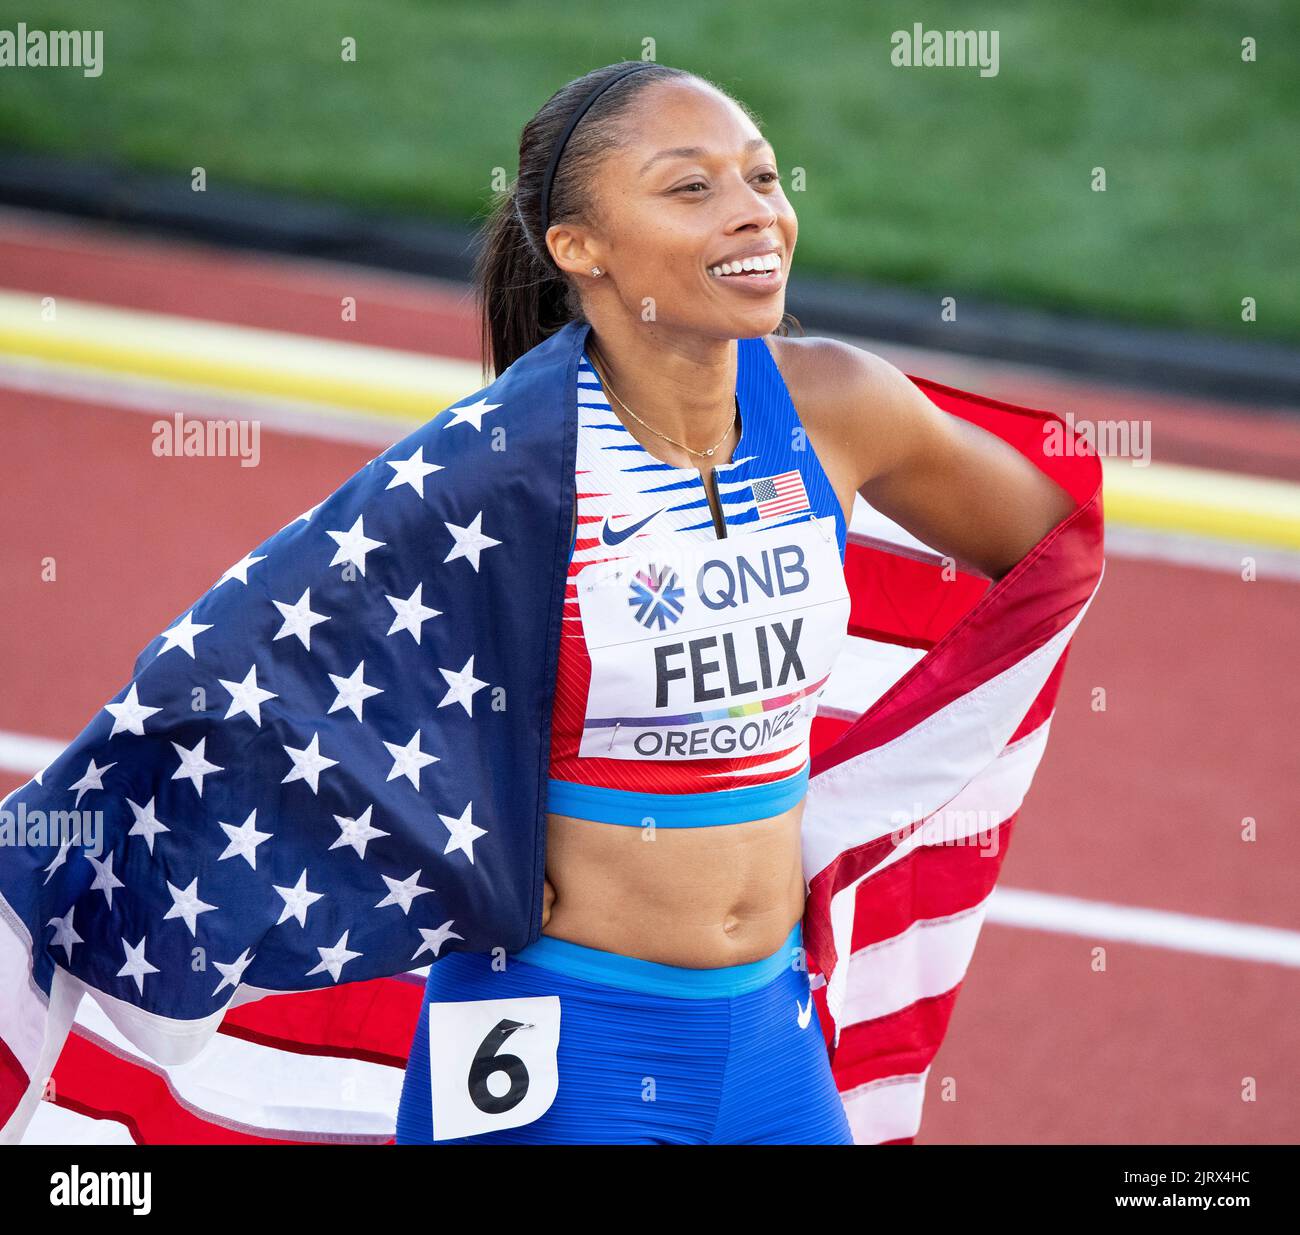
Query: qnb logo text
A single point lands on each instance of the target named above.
(777, 572)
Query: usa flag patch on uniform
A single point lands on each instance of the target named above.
(780, 495)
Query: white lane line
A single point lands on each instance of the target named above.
(1156, 928)
(27, 755)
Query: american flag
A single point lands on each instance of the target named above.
(779, 495)
(329, 771)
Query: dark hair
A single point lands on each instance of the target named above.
(524, 297)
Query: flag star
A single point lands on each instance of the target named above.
(243, 840)
(233, 973)
(105, 881)
(411, 612)
(297, 900)
(182, 635)
(353, 691)
(353, 545)
(146, 824)
(136, 966)
(409, 759)
(470, 541)
(333, 959)
(464, 832)
(57, 861)
(65, 936)
(186, 904)
(91, 778)
(434, 939)
(308, 763)
(239, 571)
(298, 619)
(247, 696)
(356, 832)
(471, 414)
(411, 471)
(194, 765)
(129, 715)
(402, 892)
(463, 685)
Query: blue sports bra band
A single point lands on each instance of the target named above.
(676, 810)
(576, 960)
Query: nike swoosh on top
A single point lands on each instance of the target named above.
(611, 537)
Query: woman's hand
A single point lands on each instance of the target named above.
(548, 899)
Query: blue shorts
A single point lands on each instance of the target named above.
(650, 1053)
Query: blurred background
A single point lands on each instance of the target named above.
(268, 211)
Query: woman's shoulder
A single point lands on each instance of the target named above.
(829, 375)
(840, 391)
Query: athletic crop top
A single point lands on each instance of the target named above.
(690, 665)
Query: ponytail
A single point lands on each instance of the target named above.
(523, 297)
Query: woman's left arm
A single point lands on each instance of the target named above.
(962, 490)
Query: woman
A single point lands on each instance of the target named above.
(649, 205)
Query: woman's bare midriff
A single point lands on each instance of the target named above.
(700, 898)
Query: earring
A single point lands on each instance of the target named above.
(596, 272)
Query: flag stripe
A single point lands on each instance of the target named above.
(256, 1090)
(902, 599)
(53, 1124)
(102, 1084)
(371, 1021)
(886, 1111)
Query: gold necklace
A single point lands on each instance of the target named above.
(702, 453)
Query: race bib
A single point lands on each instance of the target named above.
(708, 650)
(492, 1063)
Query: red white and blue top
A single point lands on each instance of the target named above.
(691, 663)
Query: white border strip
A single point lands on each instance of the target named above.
(1155, 928)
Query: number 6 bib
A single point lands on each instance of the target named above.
(492, 1063)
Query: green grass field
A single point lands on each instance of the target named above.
(935, 178)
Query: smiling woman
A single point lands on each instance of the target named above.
(710, 447)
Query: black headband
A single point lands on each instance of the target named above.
(558, 148)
